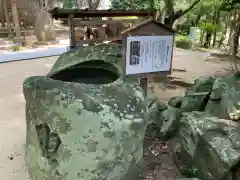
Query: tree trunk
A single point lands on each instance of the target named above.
(198, 19)
(173, 16)
(235, 42)
(217, 17)
(93, 4)
(199, 16)
(6, 13)
(169, 13)
(169, 7)
(208, 40)
(16, 20)
(235, 39)
(203, 32)
(45, 3)
(188, 20)
(54, 3)
(225, 31)
(232, 26)
(160, 16)
(202, 36)
(79, 4)
(2, 16)
(44, 30)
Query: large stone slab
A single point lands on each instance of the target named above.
(225, 98)
(209, 147)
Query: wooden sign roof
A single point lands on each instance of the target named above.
(145, 23)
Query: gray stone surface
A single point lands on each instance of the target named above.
(204, 129)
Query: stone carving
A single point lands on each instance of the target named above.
(49, 141)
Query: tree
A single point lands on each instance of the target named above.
(228, 5)
(171, 15)
(6, 14)
(132, 5)
(79, 4)
(224, 32)
(16, 20)
(208, 29)
(216, 18)
(234, 45)
(93, 4)
(2, 16)
(235, 42)
(43, 29)
(70, 4)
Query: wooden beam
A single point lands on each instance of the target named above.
(81, 13)
(80, 42)
(99, 22)
(72, 31)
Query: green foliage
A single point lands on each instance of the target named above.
(184, 28)
(209, 27)
(183, 42)
(70, 4)
(229, 4)
(17, 48)
(191, 172)
(204, 6)
(133, 5)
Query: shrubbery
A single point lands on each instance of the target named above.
(183, 42)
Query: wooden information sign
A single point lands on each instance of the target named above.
(148, 49)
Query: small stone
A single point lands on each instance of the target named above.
(195, 102)
(10, 157)
(169, 121)
(216, 94)
(130, 158)
(237, 75)
(154, 109)
(175, 102)
(234, 114)
(202, 84)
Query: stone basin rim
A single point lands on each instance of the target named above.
(90, 73)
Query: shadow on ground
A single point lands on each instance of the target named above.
(159, 161)
(222, 57)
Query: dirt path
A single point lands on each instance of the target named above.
(12, 129)
(188, 66)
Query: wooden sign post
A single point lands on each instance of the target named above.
(148, 50)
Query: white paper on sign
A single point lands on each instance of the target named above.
(146, 54)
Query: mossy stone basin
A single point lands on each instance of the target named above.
(84, 119)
